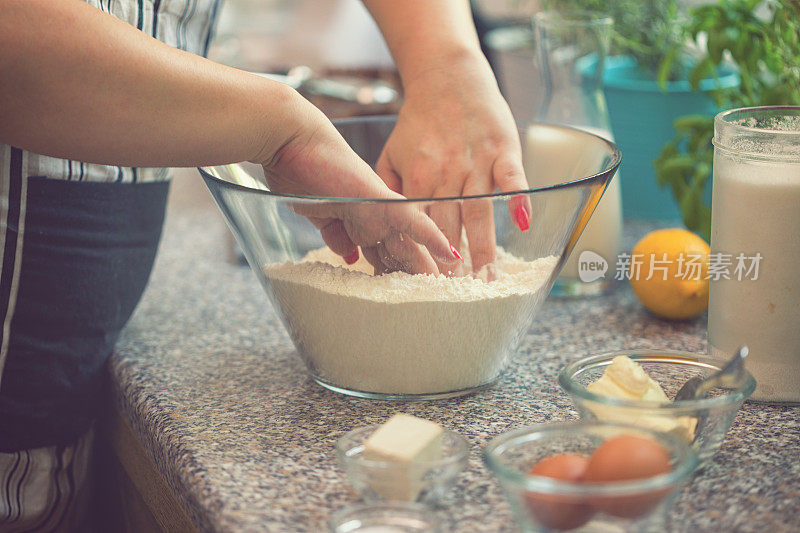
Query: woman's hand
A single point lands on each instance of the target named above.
(315, 160)
(455, 136)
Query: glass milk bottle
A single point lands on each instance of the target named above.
(755, 246)
(572, 51)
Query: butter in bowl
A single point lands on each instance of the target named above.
(405, 459)
(636, 387)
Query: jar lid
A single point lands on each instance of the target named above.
(770, 133)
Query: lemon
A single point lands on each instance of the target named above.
(668, 270)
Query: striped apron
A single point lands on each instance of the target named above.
(77, 243)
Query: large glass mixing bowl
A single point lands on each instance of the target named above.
(403, 336)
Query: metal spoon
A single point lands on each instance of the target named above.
(729, 376)
(295, 78)
(368, 92)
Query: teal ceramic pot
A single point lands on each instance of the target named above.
(641, 116)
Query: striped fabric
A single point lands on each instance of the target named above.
(46, 489)
(13, 196)
(184, 24)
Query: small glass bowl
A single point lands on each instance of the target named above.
(421, 481)
(703, 422)
(385, 517)
(546, 504)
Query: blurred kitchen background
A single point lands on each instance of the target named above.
(332, 51)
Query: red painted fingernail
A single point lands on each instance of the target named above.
(455, 253)
(523, 220)
(352, 258)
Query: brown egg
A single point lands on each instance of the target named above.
(625, 458)
(554, 511)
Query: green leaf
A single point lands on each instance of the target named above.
(670, 150)
(700, 72)
(679, 162)
(701, 174)
(700, 141)
(666, 67)
(703, 222)
(691, 122)
(716, 46)
(691, 204)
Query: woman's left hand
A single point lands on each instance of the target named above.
(455, 136)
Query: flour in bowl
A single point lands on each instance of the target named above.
(401, 333)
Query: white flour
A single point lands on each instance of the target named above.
(405, 334)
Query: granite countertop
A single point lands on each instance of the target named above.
(210, 383)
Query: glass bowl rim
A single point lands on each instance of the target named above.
(686, 465)
(459, 454)
(359, 509)
(676, 357)
(608, 173)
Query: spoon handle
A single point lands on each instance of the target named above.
(728, 377)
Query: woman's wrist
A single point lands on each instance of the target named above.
(283, 116)
(456, 67)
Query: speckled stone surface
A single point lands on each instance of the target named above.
(211, 385)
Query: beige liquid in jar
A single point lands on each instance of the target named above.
(549, 160)
(756, 209)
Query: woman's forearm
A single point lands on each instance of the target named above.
(78, 83)
(427, 35)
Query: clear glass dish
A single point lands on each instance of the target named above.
(385, 518)
(704, 422)
(420, 481)
(547, 504)
(419, 349)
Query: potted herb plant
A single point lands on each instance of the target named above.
(761, 39)
(650, 79)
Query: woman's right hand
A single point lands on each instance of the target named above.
(313, 159)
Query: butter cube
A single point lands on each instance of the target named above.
(406, 441)
(405, 438)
